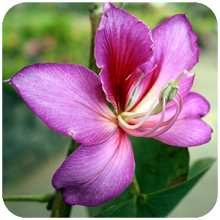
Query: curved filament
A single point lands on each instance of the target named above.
(170, 124)
(142, 134)
(166, 125)
(181, 106)
(135, 115)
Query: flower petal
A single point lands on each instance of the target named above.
(95, 174)
(68, 98)
(189, 130)
(175, 50)
(123, 43)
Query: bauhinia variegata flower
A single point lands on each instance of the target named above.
(145, 76)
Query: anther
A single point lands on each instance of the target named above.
(169, 91)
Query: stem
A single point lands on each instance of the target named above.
(34, 198)
(135, 190)
(95, 18)
(59, 207)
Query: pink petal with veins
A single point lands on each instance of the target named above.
(68, 98)
(123, 43)
(95, 174)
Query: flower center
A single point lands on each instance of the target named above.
(137, 121)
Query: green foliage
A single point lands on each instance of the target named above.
(124, 209)
(159, 204)
(60, 32)
(158, 166)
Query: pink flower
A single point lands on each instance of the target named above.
(71, 99)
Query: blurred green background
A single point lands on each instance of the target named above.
(60, 33)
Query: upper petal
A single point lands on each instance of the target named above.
(175, 50)
(123, 43)
(68, 98)
(95, 174)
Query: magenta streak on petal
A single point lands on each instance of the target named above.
(94, 174)
(69, 99)
(123, 43)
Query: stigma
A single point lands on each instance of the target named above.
(136, 123)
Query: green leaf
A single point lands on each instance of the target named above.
(158, 166)
(159, 204)
(124, 209)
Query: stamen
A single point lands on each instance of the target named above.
(181, 100)
(131, 115)
(143, 134)
(168, 124)
(172, 120)
(157, 133)
(181, 106)
(169, 91)
(145, 114)
(159, 123)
